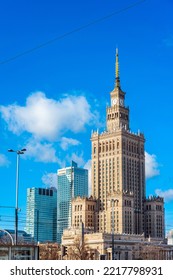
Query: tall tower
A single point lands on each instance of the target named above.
(72, 182)
(118, 169)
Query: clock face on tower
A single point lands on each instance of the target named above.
(121, 102)
(114, 101)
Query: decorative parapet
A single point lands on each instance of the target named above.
(154, 198)
(83, 198)
(105, 132)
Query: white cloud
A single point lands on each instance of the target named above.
(88, 166)
(67, 142)
(49, 180)
(167, 194)
(47, 118)
(151, 166)
(4, 161)
(41, 152)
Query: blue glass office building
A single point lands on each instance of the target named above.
(72, 182)
(41, 214)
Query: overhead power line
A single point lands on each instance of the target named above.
(60, 37)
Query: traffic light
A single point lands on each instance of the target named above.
(63, 250)
(102, 257)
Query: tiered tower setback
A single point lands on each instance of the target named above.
(118, 169)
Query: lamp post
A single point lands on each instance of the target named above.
(18, 152)
(113, 225)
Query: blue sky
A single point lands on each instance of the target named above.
(51, 98)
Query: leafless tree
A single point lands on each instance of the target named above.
(49, 251)
(80, 251)
(5, 240)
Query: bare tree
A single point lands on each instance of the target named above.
(49, 251)
(80, 251)
(5, 240)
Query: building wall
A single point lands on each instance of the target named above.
(126, 246)
(41, 214)
(83, 210)
(154, 217)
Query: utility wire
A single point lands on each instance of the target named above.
(71, 32)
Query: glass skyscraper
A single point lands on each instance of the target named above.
(72, 182)
(41, 215)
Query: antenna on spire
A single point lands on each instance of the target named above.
(117, 79)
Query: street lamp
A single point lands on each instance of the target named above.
(18, 152)
(113, 225)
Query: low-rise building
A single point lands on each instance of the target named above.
(118, 247)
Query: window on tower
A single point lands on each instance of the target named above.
(118, 145)
(100, 148)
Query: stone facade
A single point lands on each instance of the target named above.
(126, 247)
(154, 217)
(83, 210)
(118, 169)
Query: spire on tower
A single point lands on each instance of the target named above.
(117, 79)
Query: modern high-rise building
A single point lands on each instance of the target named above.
(72, 182)
(41, 214)
(118, 169)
